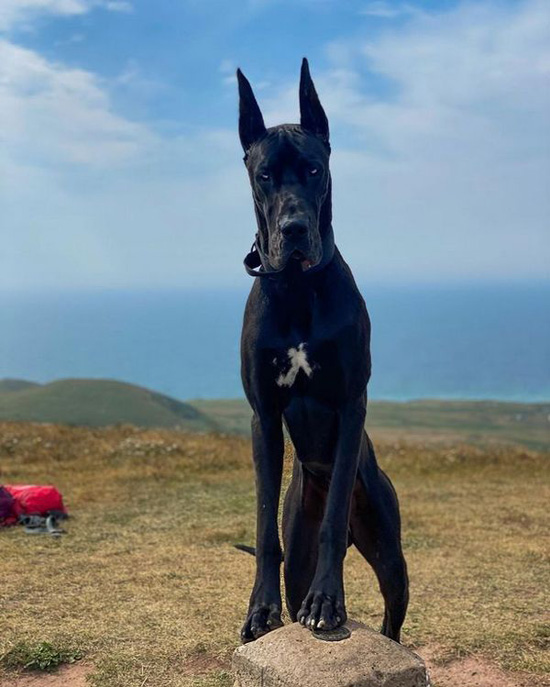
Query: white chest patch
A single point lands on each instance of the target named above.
(297, 358)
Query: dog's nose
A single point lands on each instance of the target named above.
(294, 230)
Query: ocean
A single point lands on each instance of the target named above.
(454, 342)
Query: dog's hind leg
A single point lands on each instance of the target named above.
(376, 532)
(302, 517)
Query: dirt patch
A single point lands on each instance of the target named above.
(66, 676)
(202, 663)
(474, 671)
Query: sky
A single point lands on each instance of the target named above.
(120, 165)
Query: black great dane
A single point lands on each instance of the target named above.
(306, 363)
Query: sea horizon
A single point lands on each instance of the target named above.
(477, 341)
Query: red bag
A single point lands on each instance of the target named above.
(30, 499)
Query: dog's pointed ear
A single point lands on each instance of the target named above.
(251, 122)
(313, 117)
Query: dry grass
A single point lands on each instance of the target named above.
(148, 586)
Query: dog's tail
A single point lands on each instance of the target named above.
(252, 550)
(247, 549)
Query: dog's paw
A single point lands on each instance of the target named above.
(261, 619)
(322, 611)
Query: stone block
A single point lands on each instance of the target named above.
(292, 657)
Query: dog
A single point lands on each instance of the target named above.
(305, 363)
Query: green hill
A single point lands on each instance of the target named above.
(97, 402)
(16, 385)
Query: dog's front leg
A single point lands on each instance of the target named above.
(264, 610)
(324, 606)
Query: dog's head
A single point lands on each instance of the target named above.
(288, 166)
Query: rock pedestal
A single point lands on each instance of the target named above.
(292, 657)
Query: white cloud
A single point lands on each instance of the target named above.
(119, 6)
(227, 66)
(16, 13)
(385, 10)
(57, 115)
(13, 12)
(474, 71)
(72, 39)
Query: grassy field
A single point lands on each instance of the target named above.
(148, 588)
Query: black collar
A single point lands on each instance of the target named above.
(257, 265)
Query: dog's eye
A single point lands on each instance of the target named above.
(314, 171)
(265, 176)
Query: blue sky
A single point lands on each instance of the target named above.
(120, 164)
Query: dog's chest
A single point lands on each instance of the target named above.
(293, 363)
